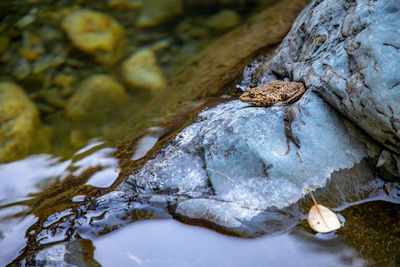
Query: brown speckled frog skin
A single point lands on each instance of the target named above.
(273, 92)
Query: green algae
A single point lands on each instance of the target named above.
(373, 229)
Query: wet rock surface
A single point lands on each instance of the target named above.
(348, 52)
(237, 162)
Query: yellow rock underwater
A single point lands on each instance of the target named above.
(141, 71)
(96, 34)
(95, 97)
(21, 132)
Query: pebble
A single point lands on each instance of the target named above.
(125, 4)
(4, 42)
(155, 12)
(54, 98)
(27, 19)
(224, 20)
(22, 69)
(21, 132)
(96, 34)
(95, 96)
(141, 71)
(63, 80)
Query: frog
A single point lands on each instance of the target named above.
(273, 92)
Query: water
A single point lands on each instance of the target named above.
(170, 243)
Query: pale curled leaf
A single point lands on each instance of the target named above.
(323, 220)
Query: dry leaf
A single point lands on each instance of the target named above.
(321, 219)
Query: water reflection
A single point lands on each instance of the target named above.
(170, 243)
(12, 233)
(147, 142)
(109, 167)
(27, 176)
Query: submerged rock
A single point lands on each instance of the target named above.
(4, 42)
(141, 71)
(64, 80)
(214, 5)
(348, 52)
(96, 34)
(96, 96)
(32, 46)
(21, 132)
(155, 12)
(224, 20)
(22, 69)
(125, 4)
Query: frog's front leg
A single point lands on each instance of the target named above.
(295, 97)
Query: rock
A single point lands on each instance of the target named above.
(237, 162)
(96, 34)
(22, 69)
(21, 132)
(387, 166)
(348, 52)
(64, 80)
(141, 71)
(45, 108)
(4, 42)
(27, 19)
(67, 91)
(156, 12)
(214, 5)
(50, 34)
(95, 97)
(198, 33)
(42, 64)
(161, 45)
(32, 46)
(51, 60)
(188, 29)
(224, 20)
(125, 4)
(54, 98)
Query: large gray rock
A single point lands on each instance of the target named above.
(348, 52)
(238, 164)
